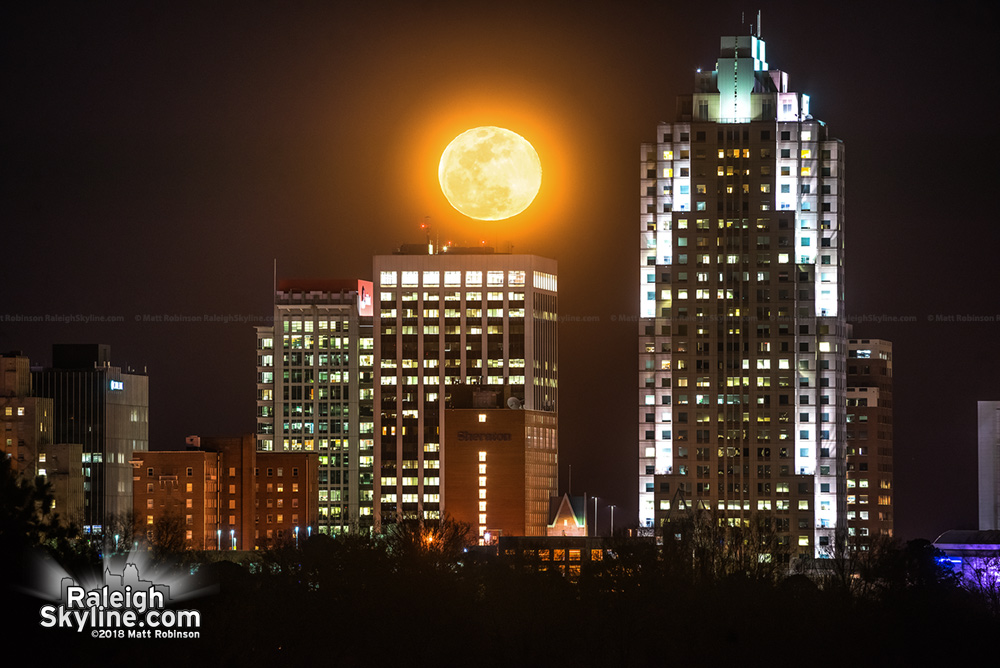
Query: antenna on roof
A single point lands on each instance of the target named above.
(426, 227)
(758, 24)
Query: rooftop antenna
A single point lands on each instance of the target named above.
(426, 227)
(758, 24)
(274, 278)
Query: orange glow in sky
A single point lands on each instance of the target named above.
(427, 137)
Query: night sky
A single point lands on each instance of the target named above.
(157, 159)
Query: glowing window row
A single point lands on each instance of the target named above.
(432, 279)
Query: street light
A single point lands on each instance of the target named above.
(218, 537)
(612, 520)
(296, 538)
(232, 537)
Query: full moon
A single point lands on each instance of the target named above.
(490, 173)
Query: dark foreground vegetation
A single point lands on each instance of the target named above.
(416, 597)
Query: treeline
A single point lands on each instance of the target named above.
(704, 595)
(417, 596)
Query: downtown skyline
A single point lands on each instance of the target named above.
(158, 163)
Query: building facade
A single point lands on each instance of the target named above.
(989, 465)
(445, 318)
(742, 340)
(869, 441)
(26, 421)
(178, 491)
(314, 391)
(26, 430)
(227, 495)
(502, 469)
(106, 410)
(569, 516)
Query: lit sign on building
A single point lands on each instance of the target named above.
(117, 385)
(472, 436)
(365, 298)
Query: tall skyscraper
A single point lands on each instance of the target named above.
(869, 441)
(742, 335)
(107, 411)
(448, 317)
(989, 465)
(314, 391)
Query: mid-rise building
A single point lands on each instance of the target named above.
(989, 465)
(444, 318)
(227, 495)
(742, 340)
(26, 420)
(869, 441)
(178, 490)
(106, 410)
(314, 391)
(502, 468)
(26, 429)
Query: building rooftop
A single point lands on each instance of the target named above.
(317, 284)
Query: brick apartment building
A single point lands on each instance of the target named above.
(227, 494)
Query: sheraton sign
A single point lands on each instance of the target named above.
(493, 436)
